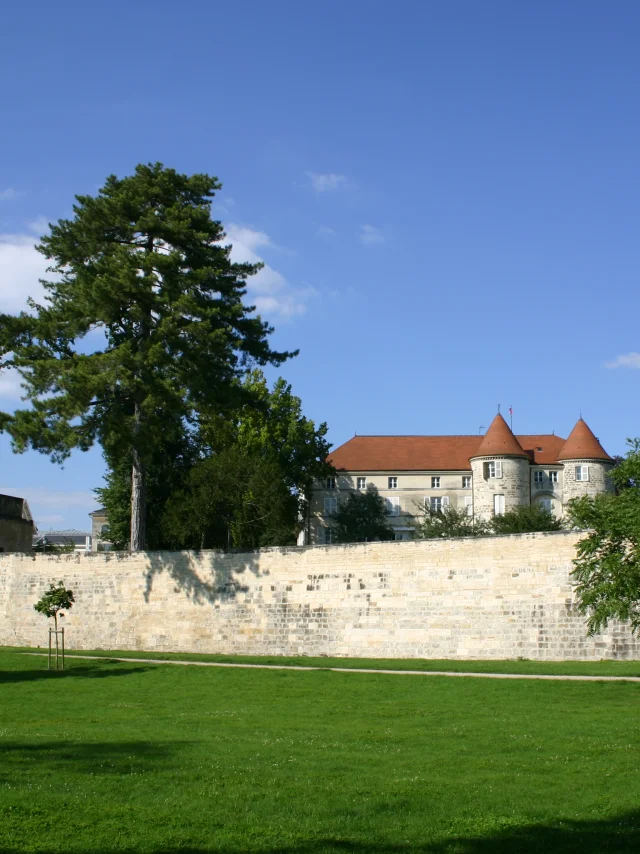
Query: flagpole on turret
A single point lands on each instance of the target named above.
(511, 417)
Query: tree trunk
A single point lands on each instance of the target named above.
(138, 495)
(138, 468)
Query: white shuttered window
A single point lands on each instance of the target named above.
(494, 469)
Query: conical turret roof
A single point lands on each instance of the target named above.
(499, 440)
(582, 445)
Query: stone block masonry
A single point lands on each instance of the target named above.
(494, 598)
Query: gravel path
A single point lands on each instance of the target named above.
(554, 678)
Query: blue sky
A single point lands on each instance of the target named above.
(445, 194)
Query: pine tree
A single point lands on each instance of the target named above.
(143, 321)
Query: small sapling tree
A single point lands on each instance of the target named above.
(54, 600)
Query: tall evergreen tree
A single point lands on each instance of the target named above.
(201, 487)
(141, 273)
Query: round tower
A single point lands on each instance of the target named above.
(500, 469)
(586, 464)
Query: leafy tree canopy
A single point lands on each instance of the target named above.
(607, 569)
(54, 600)
(361, 518)
(143, 320)
(525, 520)
(233, 499)
(453, 522)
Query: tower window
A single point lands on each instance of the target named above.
(494, 469)
(498, 505)
(393, 482)
(582, 473)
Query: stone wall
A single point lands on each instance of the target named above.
(495, 597)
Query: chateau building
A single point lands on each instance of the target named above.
(485, 475)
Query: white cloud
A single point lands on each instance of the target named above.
(39, 225)
(8, 194)
(268, 290)
(626, 360)
(222, 207)
(327, 182)
(325, 231)
(20, 268)
(370, 235)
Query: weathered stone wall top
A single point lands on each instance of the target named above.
(494, 597)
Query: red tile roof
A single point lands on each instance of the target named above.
(583, 445)
(430, 453)
(499, 440)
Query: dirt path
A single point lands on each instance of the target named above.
(550, 677)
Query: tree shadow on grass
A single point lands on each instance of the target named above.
(95, 758)
(70, 672)
(619, 833)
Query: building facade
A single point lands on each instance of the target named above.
(483, 475)
(16, 524)
(100, 531)
(69, 539)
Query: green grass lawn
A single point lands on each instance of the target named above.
(525, 666)
(110, 757)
